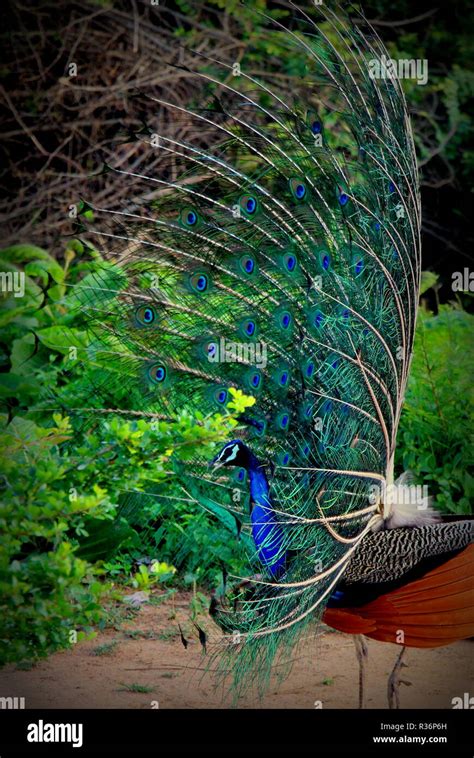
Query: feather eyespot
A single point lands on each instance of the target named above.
(249, 204)
(199, 282)
(290, 262)
(343, 198)
(248, 264)
(316, 127)
(145, 315)
(298, 188)
(189, 217)
(283, 421)
(250, 328)
(255, 380)
(157, 373)
(285, 320)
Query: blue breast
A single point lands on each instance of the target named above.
(266, 532)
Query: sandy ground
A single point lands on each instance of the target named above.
(146, 652)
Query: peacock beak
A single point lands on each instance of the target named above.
(215, 464)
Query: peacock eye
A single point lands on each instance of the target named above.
(221, 396)
(157, 373)
(199, 282)
(145, 315)
(343, 198)
(310, 369)
(249, 204)
(285, 320)
(298, 188)
(255, 380)
(391, 188)
(290, 262)
(316, 127)
(326, 261)
(189, 217)
(300, 191)
(284, 378)
(249, 265)
(286, 459)
(250, 328)
(284, 421)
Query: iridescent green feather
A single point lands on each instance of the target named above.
(302, 237)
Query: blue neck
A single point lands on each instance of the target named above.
(259, 487)
(267, 534)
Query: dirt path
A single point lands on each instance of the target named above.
(146, 653)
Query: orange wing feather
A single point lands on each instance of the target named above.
(436, 610)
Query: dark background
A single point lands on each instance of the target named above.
(56, 130)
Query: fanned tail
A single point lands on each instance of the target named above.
(282, 259)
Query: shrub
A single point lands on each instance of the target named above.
(65, 485)
(435, 438)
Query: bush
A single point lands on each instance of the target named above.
(435, 438)
(66, 503)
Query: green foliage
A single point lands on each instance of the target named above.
(64, 485)
(136, 688)
(436, 438)
(145, 578)
(107, 648)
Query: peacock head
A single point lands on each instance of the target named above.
(234, 453)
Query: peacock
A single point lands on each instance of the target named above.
(279, 260)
